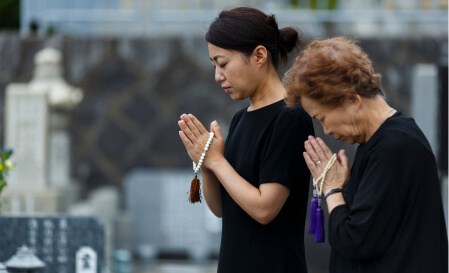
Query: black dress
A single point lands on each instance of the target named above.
(264, 146)
(393, 219)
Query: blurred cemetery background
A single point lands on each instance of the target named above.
(90, 96)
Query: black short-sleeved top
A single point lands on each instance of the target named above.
(393, 219)
(264, 146)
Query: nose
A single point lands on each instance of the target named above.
(327, 131)
(219, 77)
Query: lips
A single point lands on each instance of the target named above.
(226, 88)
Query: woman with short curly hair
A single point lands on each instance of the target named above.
(386, 213)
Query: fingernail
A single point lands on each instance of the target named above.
(190, 115)
(181, 122)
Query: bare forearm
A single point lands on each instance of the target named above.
(262, 206)
(211, 191)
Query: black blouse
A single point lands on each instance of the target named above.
(265, 146)
(393, 220)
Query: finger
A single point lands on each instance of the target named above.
(309, 162)
(311, 151)
(216, 129)
(198, 124)
(319, 151)
(186, 140)
(328, 152)
(343, 159)
(191, 126)
(186, 130)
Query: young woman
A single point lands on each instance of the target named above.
(258, 181)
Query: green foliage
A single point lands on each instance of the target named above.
(9, 14)
(5, 166)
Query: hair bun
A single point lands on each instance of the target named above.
(289, 39)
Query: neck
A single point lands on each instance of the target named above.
(377, 111)
(268, 92)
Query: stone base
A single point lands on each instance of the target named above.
(26, 201)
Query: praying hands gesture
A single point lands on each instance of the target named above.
(262, 203)
(195, 136)
(317, 157)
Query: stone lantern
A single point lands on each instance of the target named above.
(48, 78)
(24, 261)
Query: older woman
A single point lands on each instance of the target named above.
(386, 213)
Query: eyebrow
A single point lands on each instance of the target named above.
(216, 57)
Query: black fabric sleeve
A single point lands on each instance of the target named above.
(283, 161)
(366, 229)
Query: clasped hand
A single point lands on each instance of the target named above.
(195, 136)
(318, 155)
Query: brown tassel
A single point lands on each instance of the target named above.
(195, 191)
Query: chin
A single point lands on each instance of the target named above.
(350, 141)
(237, 97)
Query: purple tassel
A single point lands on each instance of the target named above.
(319, 228)
(312, 225)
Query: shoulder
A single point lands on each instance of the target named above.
(400, 135)
(296, 113)
(294, 117)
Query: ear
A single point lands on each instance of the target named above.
(260, 55)
(357, 101)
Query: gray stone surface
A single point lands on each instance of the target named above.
(26, 121)
(55, 240)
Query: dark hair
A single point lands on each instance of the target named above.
(244, 28)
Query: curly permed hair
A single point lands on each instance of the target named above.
(331, 71)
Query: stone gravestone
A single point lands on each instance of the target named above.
(65, 244)
(37, 118)
(26, 132)
(27, 122)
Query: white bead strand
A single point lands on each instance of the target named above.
(320, 180)
(196, 168)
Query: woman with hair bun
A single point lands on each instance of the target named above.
(257, 181)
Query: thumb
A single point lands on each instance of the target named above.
(216, 129)
(343, 159)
